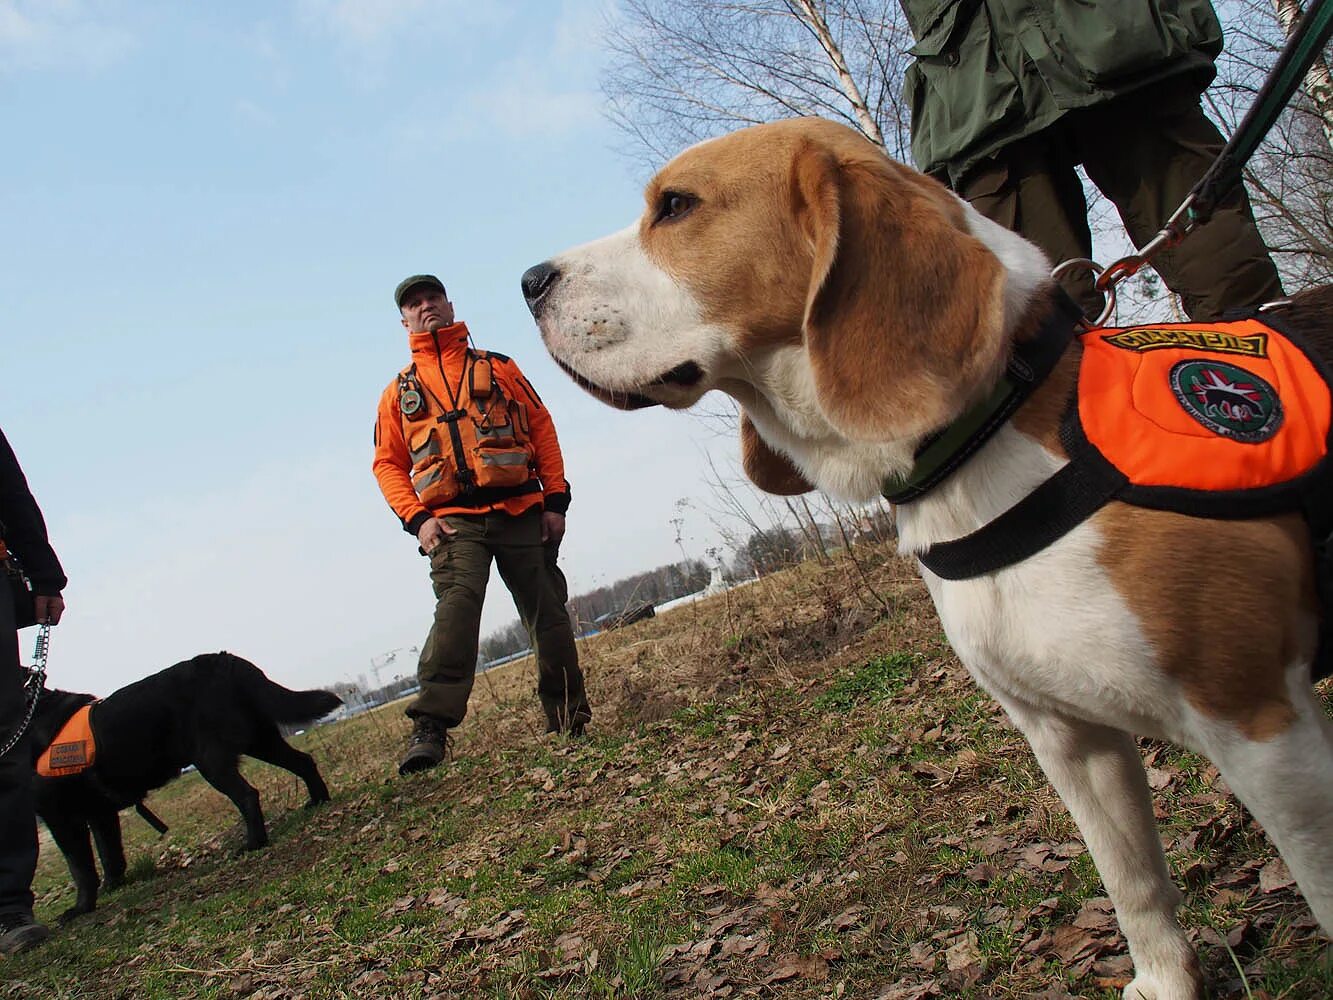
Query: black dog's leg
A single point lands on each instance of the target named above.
(105, 824)
(71, 836)
(273, 749)
(226, 778)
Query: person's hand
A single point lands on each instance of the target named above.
(49, 609)
(553, 527)
(433, 533)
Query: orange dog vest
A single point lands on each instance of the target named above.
(1218, 407)
(1220, 420)
(73, 749)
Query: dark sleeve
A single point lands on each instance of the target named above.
(22, 527)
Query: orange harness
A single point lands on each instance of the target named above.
(1220, 420)
(74, 748)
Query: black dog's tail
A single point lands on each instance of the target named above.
(279, 703)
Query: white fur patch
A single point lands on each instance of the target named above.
(621, 321)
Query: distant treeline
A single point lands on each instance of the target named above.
(656, 586)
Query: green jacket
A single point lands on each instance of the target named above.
(988, 72)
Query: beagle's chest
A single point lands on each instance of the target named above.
(1051, 627)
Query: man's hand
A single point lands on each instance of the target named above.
(433, 533)
(553, 527)
(49, 609)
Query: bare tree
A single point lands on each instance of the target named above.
(1318, 82)
(1290, 176)
(685, 70)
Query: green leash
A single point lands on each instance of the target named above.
(1307, 40)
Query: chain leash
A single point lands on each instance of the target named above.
(34, 684)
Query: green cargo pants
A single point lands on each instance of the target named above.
(460, 567)
(1144, 152)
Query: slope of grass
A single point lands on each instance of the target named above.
(790, 790)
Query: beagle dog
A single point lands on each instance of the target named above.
(853, 306)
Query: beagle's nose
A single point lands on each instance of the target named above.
(536, 282)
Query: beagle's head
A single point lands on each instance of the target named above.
(797, 267)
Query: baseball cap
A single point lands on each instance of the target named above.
(412, 282)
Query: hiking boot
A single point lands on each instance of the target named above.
(19, 932)
(574, 730)
(566, 718)
(427, 745)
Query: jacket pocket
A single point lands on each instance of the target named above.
(433, 472)
(937, 27)
(959, 90)
(1112, 43)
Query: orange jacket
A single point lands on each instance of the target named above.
(439, 357)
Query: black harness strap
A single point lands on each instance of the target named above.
(150, 817)
(1045, 515)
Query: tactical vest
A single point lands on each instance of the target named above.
(469, 450)
(74, 748)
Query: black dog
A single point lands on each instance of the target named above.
(206, 711)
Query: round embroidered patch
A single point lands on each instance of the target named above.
(1227, 399)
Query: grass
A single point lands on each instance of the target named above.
(791, 790)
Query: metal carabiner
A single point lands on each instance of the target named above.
(1085, 263)
(1180, 225)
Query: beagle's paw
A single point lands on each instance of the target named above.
(1182, 986)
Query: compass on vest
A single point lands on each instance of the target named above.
(410, 402)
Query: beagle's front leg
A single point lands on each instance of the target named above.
(1098, 773)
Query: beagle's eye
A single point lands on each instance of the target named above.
(673, 205)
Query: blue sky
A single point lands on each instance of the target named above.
(206, 208)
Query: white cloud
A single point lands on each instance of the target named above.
(361, 21)
(60, 34)
(579, 27)
(249, 113)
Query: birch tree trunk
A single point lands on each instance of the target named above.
(815, 19)
(685, 70)
(1318, 81)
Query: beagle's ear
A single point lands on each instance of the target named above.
(771, 472)
(904, 314)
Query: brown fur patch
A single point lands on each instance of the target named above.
(804, 231)
(904, 323)
(768, 470)
(1227, 605)
(739, 250)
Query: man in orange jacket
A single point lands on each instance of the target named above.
(467, 457)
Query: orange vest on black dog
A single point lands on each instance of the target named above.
(73, 750)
